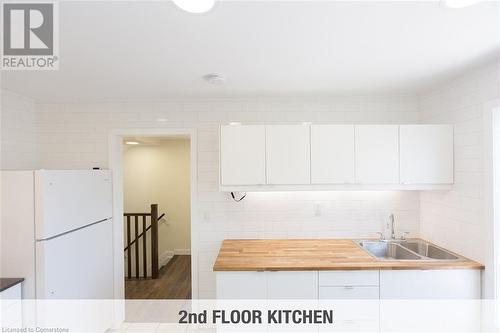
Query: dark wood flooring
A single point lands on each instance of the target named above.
(174, 282)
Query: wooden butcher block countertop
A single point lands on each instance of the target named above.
(314, 255)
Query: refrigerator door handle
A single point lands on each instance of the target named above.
(74, 230)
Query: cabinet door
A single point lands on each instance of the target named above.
(332, 154)
(241, 285)
(430, 284)
(242, 155)
(292, 285)
(377, 154)
(288, 154)
(11, 306)
(426, 154)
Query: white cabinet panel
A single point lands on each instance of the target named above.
(377, 154)
(288, 154)
(430, 284)
(242, 155)
(349, 292)
(11, 310)
(292, 285)
(332, 154)
(349, 278)
(241, 285)
(426, 154)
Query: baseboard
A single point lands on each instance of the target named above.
(165, 258)
(182, 252)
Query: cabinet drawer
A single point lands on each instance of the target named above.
(349, 278)
(349, 292)
(352, 325)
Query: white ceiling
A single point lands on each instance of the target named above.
(123, 50)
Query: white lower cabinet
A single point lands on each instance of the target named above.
(11, 311)
(369, 284)
(343, 290)
(430, 284)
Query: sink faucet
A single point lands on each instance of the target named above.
(391, 225)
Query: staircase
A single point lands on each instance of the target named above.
(137, 226)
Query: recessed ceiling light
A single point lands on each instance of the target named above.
(215, 78)
(162, 120)
(195, 6)
(131, 143)
(459, 3)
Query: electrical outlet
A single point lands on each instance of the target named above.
(317, 209)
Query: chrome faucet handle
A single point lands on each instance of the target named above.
(403, 236)
(381, 235)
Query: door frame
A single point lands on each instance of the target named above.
(491, 195)
(115, 156)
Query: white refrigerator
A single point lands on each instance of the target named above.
(56, 232)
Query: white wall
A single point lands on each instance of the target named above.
(160, 174)
(75, 136)
(18, 132)
(454, 219)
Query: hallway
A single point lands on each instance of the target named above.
(174, 282)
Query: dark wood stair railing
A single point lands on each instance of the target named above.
(154, 242)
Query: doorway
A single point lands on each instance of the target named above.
(157, 221)
(176, 261)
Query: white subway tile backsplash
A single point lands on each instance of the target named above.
(453, 219)
(18, 132)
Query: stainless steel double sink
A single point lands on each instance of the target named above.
(411, 249)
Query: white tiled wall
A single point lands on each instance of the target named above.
(453, 219)
(18, 132)
(75, 136)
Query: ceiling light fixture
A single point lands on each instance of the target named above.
(195, 6)
(162, 120)
(131, 143)
(215, 78)
(459, 3)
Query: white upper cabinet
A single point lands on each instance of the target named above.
(426, 154)
(243, 155)
(336, 157)
(332, 154)
(288, 154)
(377, 154)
